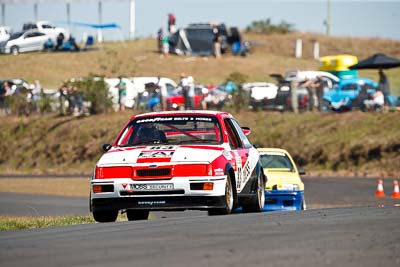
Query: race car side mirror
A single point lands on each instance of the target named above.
(246, 130)
(301, 171)
(106, 147)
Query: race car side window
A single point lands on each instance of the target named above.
(242, 136)
(233, 137)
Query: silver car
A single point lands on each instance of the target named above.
(24, 42)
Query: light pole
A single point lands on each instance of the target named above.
(328, 18)
(132, 19)
(99, 30)
(35, 11)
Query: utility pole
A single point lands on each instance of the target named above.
(99, 31)
(328, 18)
(132, 20)
(69, 16)
(35, 11)
(3, 14)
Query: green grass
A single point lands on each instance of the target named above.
(8, 223)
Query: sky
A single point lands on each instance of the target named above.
(348, 18)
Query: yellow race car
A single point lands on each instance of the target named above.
(284, 189)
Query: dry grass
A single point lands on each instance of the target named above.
(272, 54)
(71, 187)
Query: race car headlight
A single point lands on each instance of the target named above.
(193, 170)
(113, 172)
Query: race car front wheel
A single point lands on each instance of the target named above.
(105, 216)
(136, 215)
(228, 200)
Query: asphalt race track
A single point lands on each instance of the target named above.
(356, 233)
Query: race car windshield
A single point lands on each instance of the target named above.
(172, 130)
(275, 161)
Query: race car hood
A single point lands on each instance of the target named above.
(152, 154)
(282, 176)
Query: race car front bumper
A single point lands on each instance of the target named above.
(158, 203)
(283, 200)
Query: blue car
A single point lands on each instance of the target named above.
(345, 95)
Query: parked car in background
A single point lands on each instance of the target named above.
(177, 160)
(284, 189)
(344, 95)
(299, 76)
(28, 41)
(262, 94)
(17, 85)
(47, 28)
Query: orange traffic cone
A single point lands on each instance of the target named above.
(396, 193)
(379, 191)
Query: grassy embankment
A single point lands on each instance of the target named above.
(353, 143)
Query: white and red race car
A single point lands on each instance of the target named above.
(175, 161)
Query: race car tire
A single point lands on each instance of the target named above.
(137, 215)
(256, 203)
(105, 216)
(228, 200)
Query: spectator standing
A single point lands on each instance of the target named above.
(217, 43)
(191, 93)
(63, 90)
(121, 94)
(165, 44)
(160, 38)
(184, 86)
(5, 91)
(309, 85)
(383, 83)
(163, 94)
(320, 86)
(37, 90)
(171, 23)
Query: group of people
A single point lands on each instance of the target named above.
(163, 40)
(25, 100)
(315, 92)
(61, 44)
(71, 95)
(364, 101)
